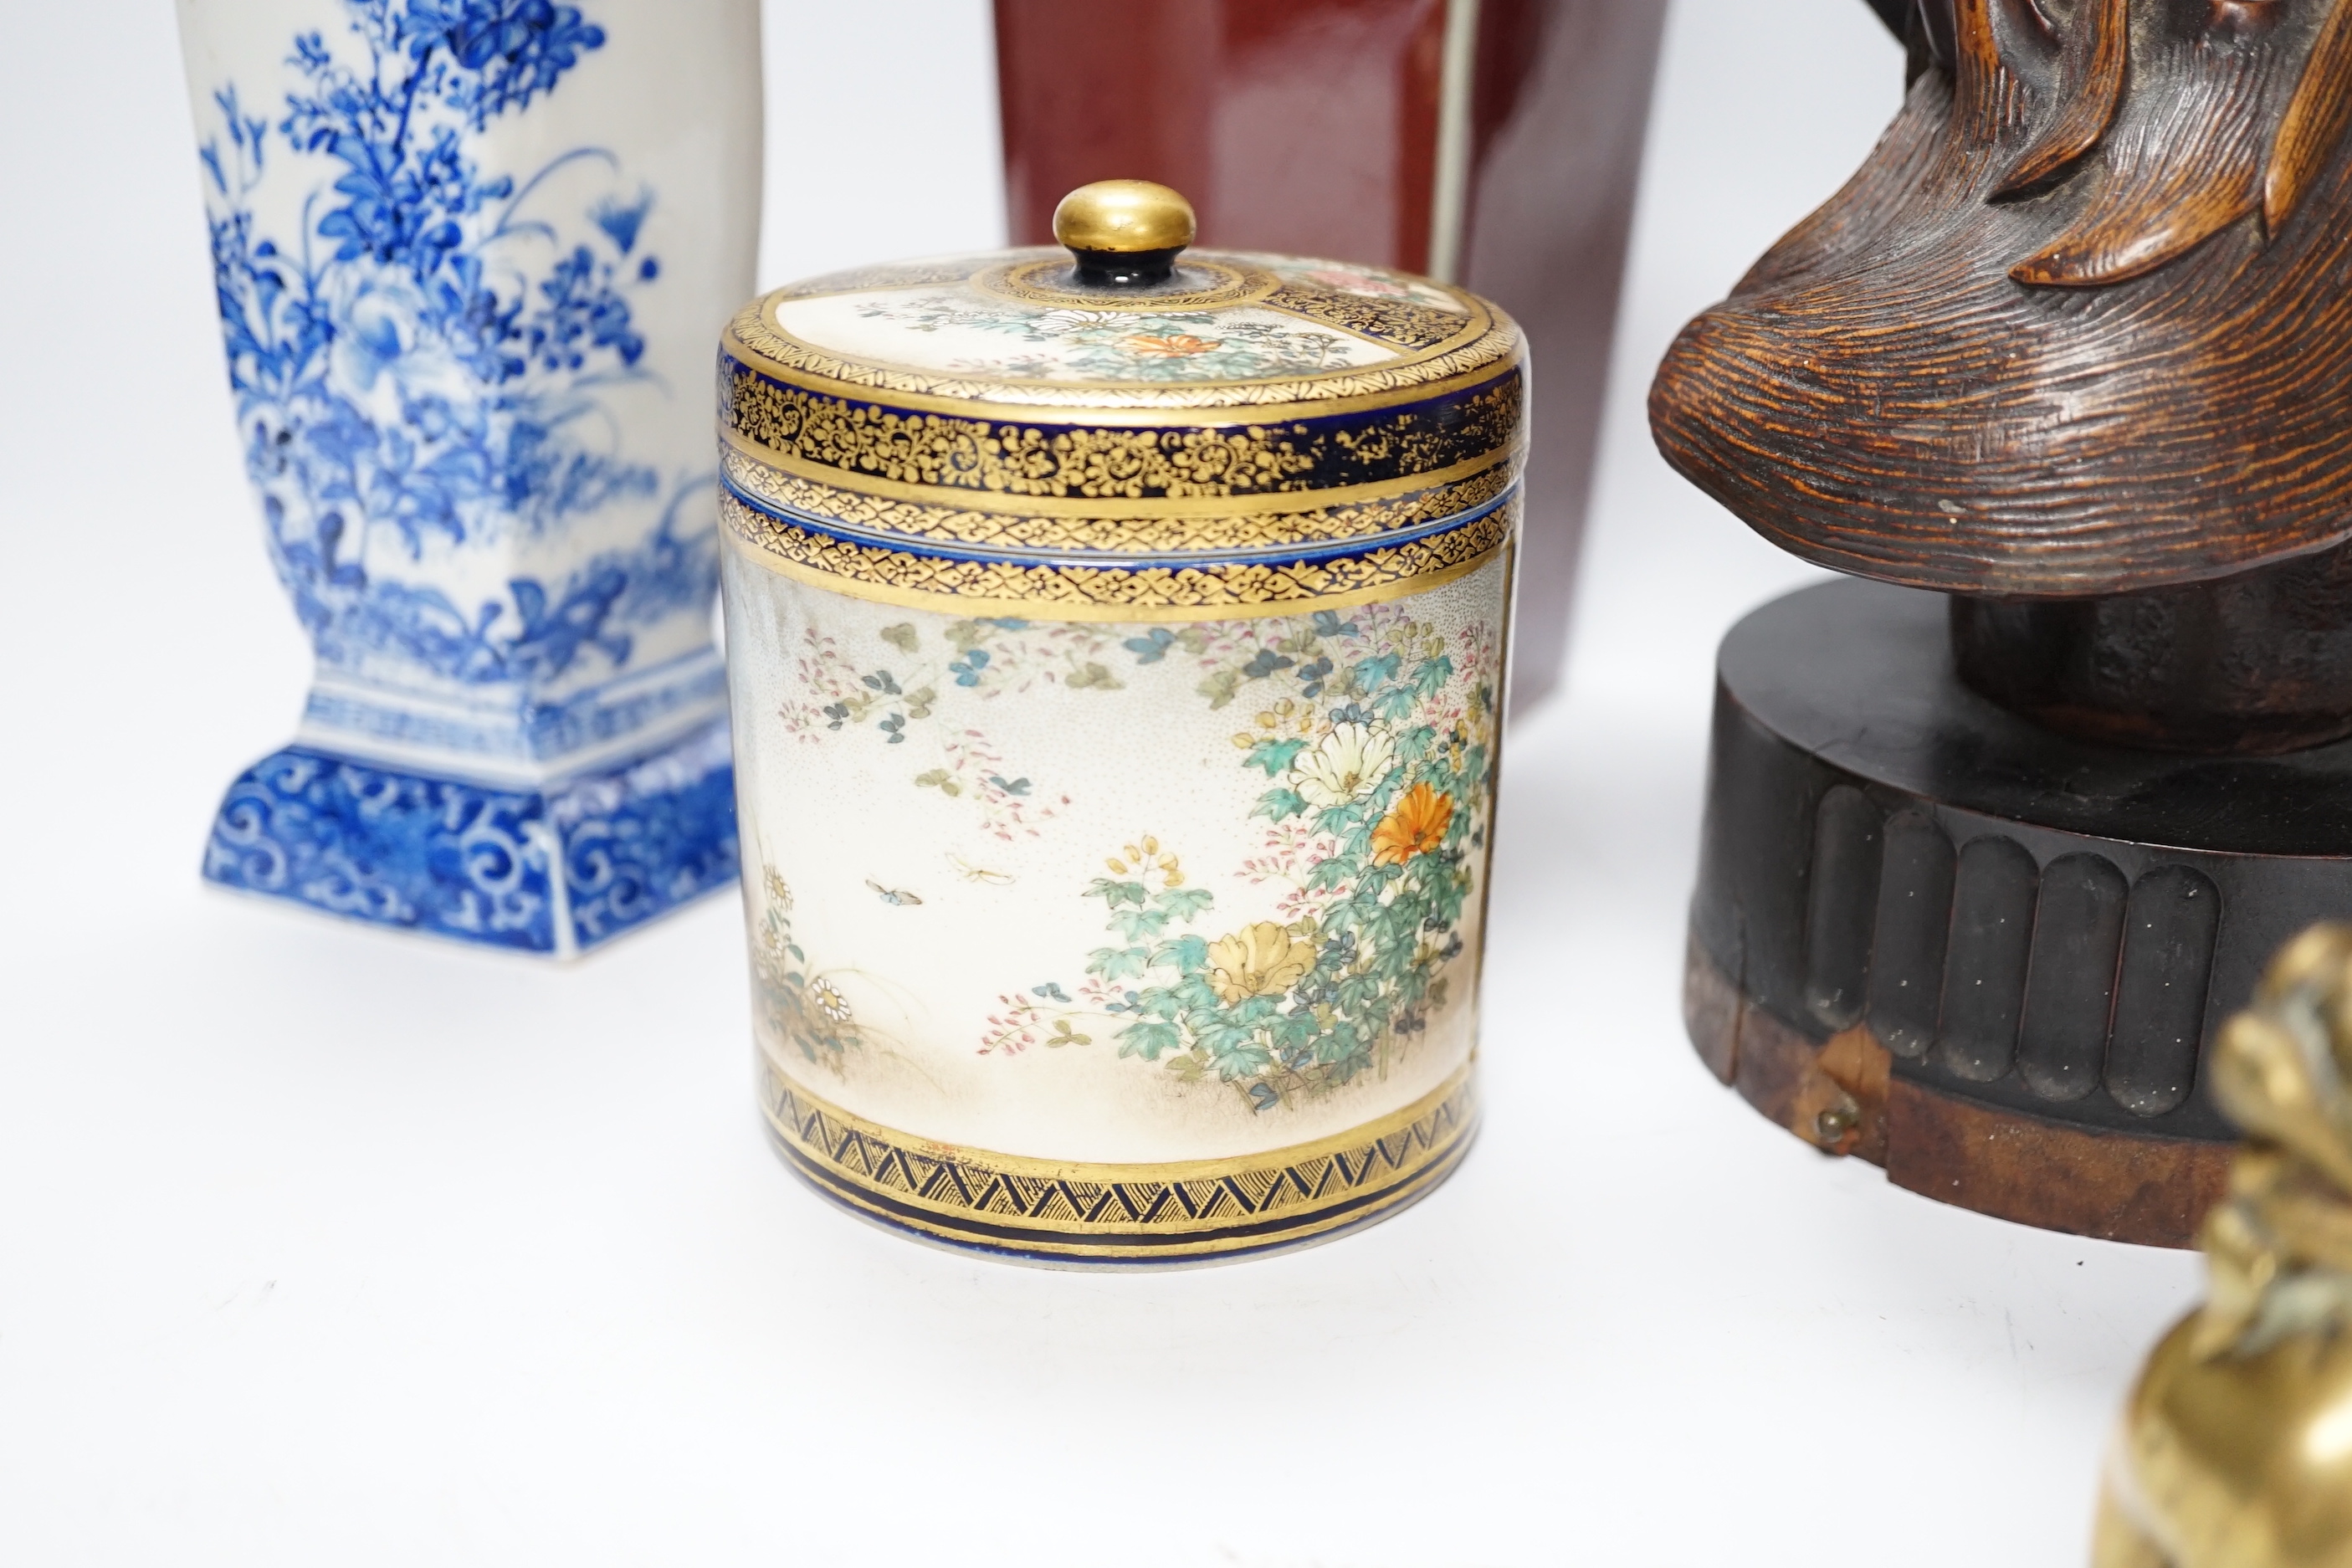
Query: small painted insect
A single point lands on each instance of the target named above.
(971, 873)
(892, 895)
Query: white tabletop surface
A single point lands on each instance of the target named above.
(318, 1246)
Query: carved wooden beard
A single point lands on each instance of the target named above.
(2082, 324)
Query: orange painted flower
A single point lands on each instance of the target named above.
(1175, 345)
(1414, 826)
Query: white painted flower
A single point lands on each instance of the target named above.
(1345, 764)
(1062, 323)
(829, 1001)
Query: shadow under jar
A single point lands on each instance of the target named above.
(1116, 641)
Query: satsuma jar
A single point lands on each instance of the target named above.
(1115, 653)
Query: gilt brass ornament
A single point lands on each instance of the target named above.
(2235, 1449)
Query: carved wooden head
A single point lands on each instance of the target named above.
(2081, 324)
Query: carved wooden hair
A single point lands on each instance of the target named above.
(2080, 326)
(2218, 147)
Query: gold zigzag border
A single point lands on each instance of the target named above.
(1186, 1210)
(1116, 592)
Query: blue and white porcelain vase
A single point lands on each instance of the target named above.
(470, 257)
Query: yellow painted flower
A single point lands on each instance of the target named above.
(1148, 857)
(1344, 764)
(1414, 826)
(1261, 960)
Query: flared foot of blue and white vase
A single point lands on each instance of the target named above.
(553, 868)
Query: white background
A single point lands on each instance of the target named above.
(318, 1246)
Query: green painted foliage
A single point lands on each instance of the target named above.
(1281, 1011)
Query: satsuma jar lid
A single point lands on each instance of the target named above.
(1131, 430)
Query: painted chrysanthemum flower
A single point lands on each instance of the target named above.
(1414, 826)
(1061, 323)
(1169, 345)
(1346, 764)
(829, 1000)
(1261, 960)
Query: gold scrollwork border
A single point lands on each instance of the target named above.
(1487, 339)
(1029, 281)
(1406, 323)
(1142, 591)
(1123, 532)
(1055, 1211)
(960, 455)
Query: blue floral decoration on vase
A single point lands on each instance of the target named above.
(475, 484)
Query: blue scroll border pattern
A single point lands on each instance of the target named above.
(478, 863)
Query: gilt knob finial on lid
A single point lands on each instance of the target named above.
(1124, 234)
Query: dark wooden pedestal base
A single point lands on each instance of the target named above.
(1841, 1096)
(1985, 955)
